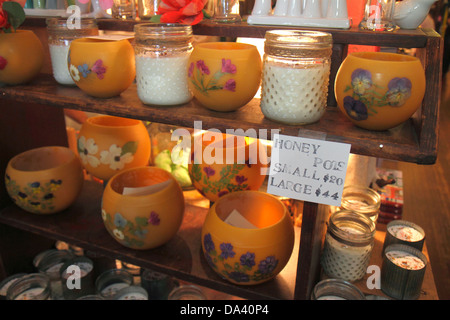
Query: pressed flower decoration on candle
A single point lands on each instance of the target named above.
(183, 11)
(12, 15)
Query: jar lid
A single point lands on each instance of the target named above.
(162, 31)
(64, 23)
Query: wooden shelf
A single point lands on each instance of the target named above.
(399, 143)
(81, 224)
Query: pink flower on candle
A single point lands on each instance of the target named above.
(191, 70)
(154, 219)
(230, 85)
(228, 67)
(99, 69)
(202, 67)
(3, 63)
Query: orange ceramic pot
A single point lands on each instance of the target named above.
(248, 255)
(108, 144)
(21, 57)
(44, 180)
(143, 207)
(379, 90)
(102, 68)
(224, 163)
(224, 76)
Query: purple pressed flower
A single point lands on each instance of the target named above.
(355, 108)
(202, 67)
(191, 70)
(268, 265)
(240, 179)
(399, 91)
(230, 85)
(208, 243)
(228, 67)
(209, 171)
(154, 219)
(248, 259)
(99, 69)
(239, 276)
(361, 81)
(227, 250)
(222, 193)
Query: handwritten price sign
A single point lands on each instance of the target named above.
(307, 169)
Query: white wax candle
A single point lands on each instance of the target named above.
(405, 233)
(405, 260)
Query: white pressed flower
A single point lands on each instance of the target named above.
(104, 214)
(114, 158)
(118, 234)
(87, 149)
(74, 73)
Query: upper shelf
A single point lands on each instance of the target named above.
(399, 143)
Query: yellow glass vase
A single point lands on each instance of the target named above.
(21, 57)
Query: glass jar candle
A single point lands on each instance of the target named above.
(348, 245)
(162, 52)
(60, 34)
(111, 281)
(33, 286)
(361, 199)
(51, 264)
(187, 292)
(296, 69)
(7, 282)
(77, 278)
(336, 289)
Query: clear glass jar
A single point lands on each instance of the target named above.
(162, 52)
(60, 34)
(348, 245)
(296, 69)
(336, 289)
(77, 282)
(7, 282)
(131, 293)
(187, 292)
(50, 264)
(361, 199)
(158, 285)
(34, 286)
(111, 281)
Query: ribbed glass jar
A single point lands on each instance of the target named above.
(361, 199)
(348, 245)
(296, 69)
(111, 281)
(162, 52)
(61, 32)
(33, 286)
(336, 289)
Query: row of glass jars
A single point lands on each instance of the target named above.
(292, 59)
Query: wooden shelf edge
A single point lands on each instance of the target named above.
(400, 143)
(181, 257)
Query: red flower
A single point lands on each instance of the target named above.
(181, 11)
(3, 19)
(3, 63)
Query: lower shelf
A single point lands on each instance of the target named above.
(82, 225)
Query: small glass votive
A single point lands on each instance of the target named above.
(336, 289)
(363, 200)
(124, 9)
(131, 293)
(404, 232)
(402, 272)
(187, 292)
(226, 11)
(158, 285)
(77, 278)
(147, 8)
(7, 282)
(34, 286)
(378, 15)
(111, 281)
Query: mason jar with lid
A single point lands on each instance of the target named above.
(162, 52)
(348, 245)
(296, 70)
(33, 286)
(361, 199)
(61, 32)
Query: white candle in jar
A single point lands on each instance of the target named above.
(163, 81)
(345, 261)
(61, 72)
(294, 95)
(405, 260)
(405, 233)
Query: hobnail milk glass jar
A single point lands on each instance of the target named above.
(162, 52)
(361, 199)
(296, 69)
(61, 32)
(348, 245)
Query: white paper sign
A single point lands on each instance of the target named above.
(308, 169)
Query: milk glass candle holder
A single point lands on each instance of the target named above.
(348, 245)
(60, 35)
(295, 77)
(162, 52)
